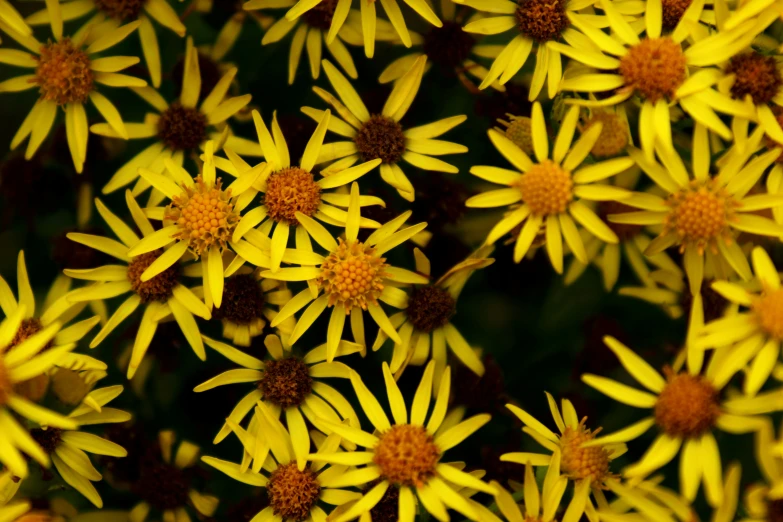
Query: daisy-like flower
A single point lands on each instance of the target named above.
(182, 127)
(546, 195)
(587, 467)
(67, 75)
(351, 278)
(153, 279)
(107, 14)
(540, 506)
(380, 136)
(290, 191)
(424, 323)
(289, 385)
(703, 214)
(407, 454)
(166, 483)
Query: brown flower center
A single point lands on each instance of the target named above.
(448, 45)
(541, 20)
(407, 455)
(63, 73)
(6, 386)
(27, 329)
(687, 406)
(353, 276)
(158, 288)
(182, 128)
(672, 12)
(286, 382)
(380, 137)
(321, 15)
(388, 508)
(775, 510)
(243, 300)
(164, 486)
(768, 308)
(756, 75)
(120, 9)
(290, 191)
(48, 439)
(430, 307)
(623, 231)
(519, 131)
(578, 462)
(205, 216)
(654, 68)
(546, 188)
(614, 134)
(293, 493)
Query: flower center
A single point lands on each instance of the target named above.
(27, 329)
(290, 191)
(541, 20)
(546, 188)
(182, 128)
(159, 287)
(672, 12)
(448, 45)
(120, 9)
(407, 455)
(519, 131)
(293, 493)
(430, 307)
(164, 486)
(6, 386)
(205, 215)
(614, 134)
(687, 406)
(654, 68)
(623, 231)
(388, 508)
(756, 75)
(775, 510)
(700, 214)
(578, 462)
(48, 439)
(380, 137)
(321, 15)
(769, 312)
(69, 386)
(286, 382)
(243, 300)
(353, 276)
(63, 73)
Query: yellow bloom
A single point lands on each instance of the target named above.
(646, 501)
(540, 506)
(407, 454)
(546, 195)
(763, 500)
(380, 136)
(10, 509)
(85, 71)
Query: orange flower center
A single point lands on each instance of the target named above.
(63, 73)
(687, 406)
(654, 68)
(290, 191)
(407, 455)
(768, 308)
(546, 188)
(293, 493)
(614, 134)
(578, 462)
(353, 276)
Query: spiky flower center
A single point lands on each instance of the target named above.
(672, 11)
(755, 75)
(290, 191)
(546, 188)
(541, 20)
(380, 137)
(614, 134)
(654, 68)
(320, 16)
(700, 214)
(243, 300)
(577, 462)
(353, 275)
(160, 287)
(69, 386)
(120, 9)
(448, 45)
(407, 455)
(768, 308)
(519, 130)
(182, 128)
(286, 382)
(64, 73)
(205, 216)
(164, 486)
(6, 386)
(430, 307)
(687, 406)
(293, 493)
(48, 439)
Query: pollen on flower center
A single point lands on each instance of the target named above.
(700, 214)
(430, 307)
(654, 68)
(578, 462)
(541, 20)
(687, 406)
(768, 309)
(182, 128)
(158, 288)
(48, 439)
(755, 75)
(290, 191)
(6, 386)
(205, 216)
(448, 45)
(63, 73)
(293, 493)
(353, 276)
(380, 137)
(120, 9)
(614, 134)
(519, 131)
(321, 15)
(286, 382)
(546, 188)
(672, 12)
(243, 300)
(407, 455)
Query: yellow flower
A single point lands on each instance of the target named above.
(546, 195)
(351, 278)
(152, 278)
(764, 500)
(112, 12)
(407, 454)
(69, 91)
(540, 506)
(380, 136)
(10, 18)
(646, 501)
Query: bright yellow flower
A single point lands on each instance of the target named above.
(540, 506)
(10, 18)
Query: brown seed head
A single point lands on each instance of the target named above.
(293, 493)
(286, 382)
(388, 508)
(687, 406)
(519, 130)
(380, 137)
(541, 20)
(672, 12)
(614, 134)
(756, 75)
(182, 128)
(448, 45)
(27, 329)
(243, 300)
(430, 307)
(63, 73)
(353, 276)
(120, 9)
(158, 288)
(320, 16)
(407, 455)
(768, 309)
(546, 188)
(578, 462)
(654, 68)
(48, 439)
(290, 191)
